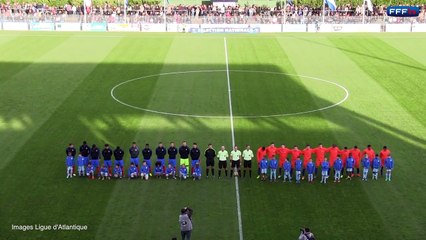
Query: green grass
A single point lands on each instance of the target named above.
(55, 89)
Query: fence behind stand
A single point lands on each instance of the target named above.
(211, 24)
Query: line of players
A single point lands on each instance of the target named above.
(88, 161)
(339, 160)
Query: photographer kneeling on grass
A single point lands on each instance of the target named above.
(305, 234)
(185, 223)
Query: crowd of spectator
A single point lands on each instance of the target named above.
(189, 13)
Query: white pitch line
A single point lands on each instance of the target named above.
(231, 117)
(223, 117)
(229, 93)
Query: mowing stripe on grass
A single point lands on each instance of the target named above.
(394, 70)
(231, 118)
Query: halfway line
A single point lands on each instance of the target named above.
(231, 117)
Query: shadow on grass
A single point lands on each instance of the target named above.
(87, 112)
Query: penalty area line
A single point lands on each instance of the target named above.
(231, 118)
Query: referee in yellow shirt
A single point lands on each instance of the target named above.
(222, 155)
(247, 157)
(235, 161)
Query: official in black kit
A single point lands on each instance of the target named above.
(210, 154)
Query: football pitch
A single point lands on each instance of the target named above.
(296, 89)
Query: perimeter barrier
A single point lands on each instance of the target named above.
(211, 24)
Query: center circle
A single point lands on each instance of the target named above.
(286, 94)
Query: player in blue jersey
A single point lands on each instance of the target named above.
(287, 170)
(94, 157)
(107, 154)
(69, 163)
(133, 171)
(134, 155)
(389, 167)
(195, 155)
(117, 173)
(81, 162)
(119, 156)
(273, 166)
(325, 166)
(71, 149)
(376, 166)
(161, 152)
(338, 166)
(144, 171)
(104, 173)
(147, 153)
(85, 152)
(310, 168)
(366, 164)
(197, 172)
(264, 168)
(172, 151)
(158, 170)
(90, 171)
(350, 163)
(183, 172)
(170, 171)
(298, 165)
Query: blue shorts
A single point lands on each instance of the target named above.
(161, 161)
(172, 162)
(107, 163)
(119, 162)
(148, 162)
(193, 162)
(134, 161)
(95, 163)
(86, 160)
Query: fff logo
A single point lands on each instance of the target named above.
(402, 11)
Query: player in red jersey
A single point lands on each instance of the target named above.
(261, 152)
(333, 151)
(283, 152)
(385, 153)
(344, 154)
(307, 156)
(356, 154)
(295, 154)
(271, 151)
(370, 152)
(320, 155)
